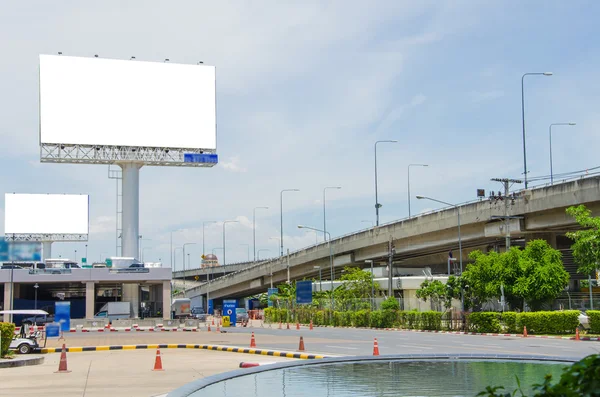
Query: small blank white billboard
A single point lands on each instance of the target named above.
(108, 102)
(46, 214)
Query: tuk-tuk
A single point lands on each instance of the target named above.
(26, 341)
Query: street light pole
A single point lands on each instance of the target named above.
(550, 134)
(36, 286)
(175, 257)
(184, 262)
(458, 214)
(224, 223)
(377, 205)
(320, 286)
(203, 227)
(330, 258)
(412, 165)
(523, 118)
(372, 284)
(271, 269)
(324, 216)
(281, 215)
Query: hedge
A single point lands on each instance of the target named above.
(7, 331)
(594, 318)
(510, 322)
(555, 323)
(485, 322)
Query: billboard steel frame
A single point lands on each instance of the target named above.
(101, 154)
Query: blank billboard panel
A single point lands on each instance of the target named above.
(108, 102)
(46, 214)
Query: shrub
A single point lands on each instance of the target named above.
(7, 330)
(431, 321)
(557, 323)
(484, 322)
(594, 318)
(319, 318)
(510, 322)
(389, 318)
(360, 318)
(413, 320)
(390, 304)
(376, 319)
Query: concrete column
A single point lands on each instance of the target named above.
(90, 299)
(166, 300)
(131, 226)
(131, 293)
(7, 301)
(46, 250)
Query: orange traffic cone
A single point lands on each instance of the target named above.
(252, 341)
(297, 325)
(158, 362)
(311, 325)
(375, 348)
(524, 331)
(577, 334)
(218, 328)
(288, 326)
(213, 322)
(301, 345)
(62, 365)
(208, 327)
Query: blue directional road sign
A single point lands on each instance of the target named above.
(303, 292)
(229, 306)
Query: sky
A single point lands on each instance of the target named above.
(304, 90)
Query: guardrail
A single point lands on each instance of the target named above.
(50, 271)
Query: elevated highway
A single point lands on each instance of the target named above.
(424, 240)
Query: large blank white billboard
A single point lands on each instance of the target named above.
(46, 214)
(95, 101)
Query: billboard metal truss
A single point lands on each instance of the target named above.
(93, 154)
(45, 237)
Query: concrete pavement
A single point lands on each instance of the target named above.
(120, 373)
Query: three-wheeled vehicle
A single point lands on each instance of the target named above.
(28, 339)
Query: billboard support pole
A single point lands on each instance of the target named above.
(46, 250)
(131, 225)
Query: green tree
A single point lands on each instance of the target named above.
(355, 289)
(534, 275)
(586, 247)
(440, 293)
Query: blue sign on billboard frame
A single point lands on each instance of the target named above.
(304, 292)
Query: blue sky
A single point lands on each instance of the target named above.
(304, 89)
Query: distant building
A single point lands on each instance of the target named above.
(210, 260)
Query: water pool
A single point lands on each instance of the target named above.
(451, 376)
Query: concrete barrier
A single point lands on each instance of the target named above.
(77, 322)
(96, 323)
(191, 323)
(122, 323)
(168, 323)
(147, 322)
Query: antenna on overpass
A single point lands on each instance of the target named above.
(509, 199)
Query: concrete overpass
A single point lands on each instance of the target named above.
(214, 272)
(424, 240)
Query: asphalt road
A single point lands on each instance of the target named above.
(340, 341)
(348, 342)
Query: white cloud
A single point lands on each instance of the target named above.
(233, 165)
